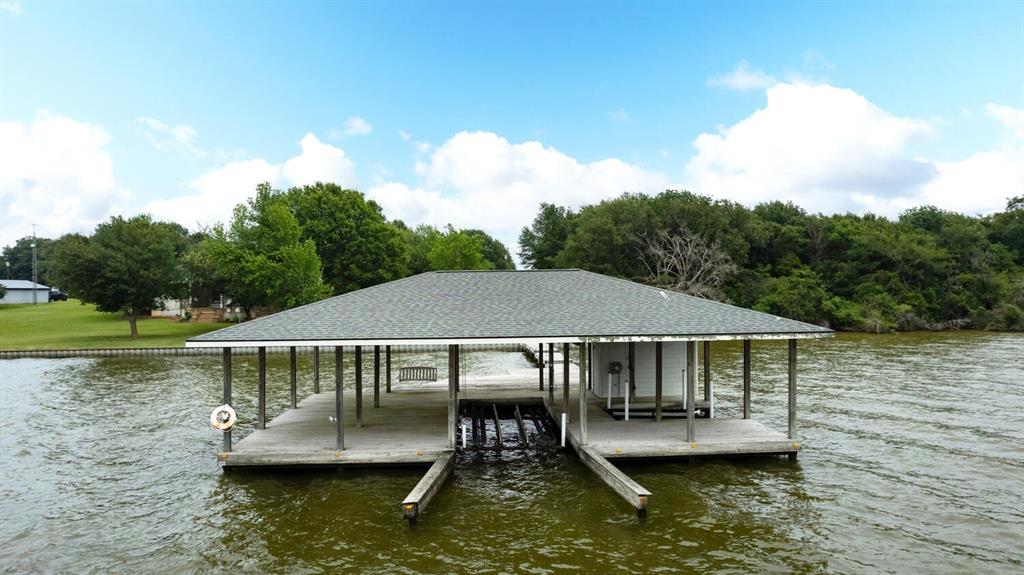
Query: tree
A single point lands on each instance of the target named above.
(20, 257)
(493, 250)
(356, 244)
(458, 250)
(261, 257)
(540, 244)
(127, 266)
(685, 262)
(419, 242)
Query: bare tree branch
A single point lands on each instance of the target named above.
(685, 262)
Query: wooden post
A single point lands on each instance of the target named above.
(453, 368)
(691, 394)
(706, 353)
(746, 379)
(226, 357)
(584, 364)
(565, 377)
(590, 366)
(387, 368)
(540, 366)
(261, 418)
(792, 389)
(359, 386)
(376, 376)
(339, 398)
(291, 357)
(551, 373)
(316, 369)
(632, 370)
(657, 381)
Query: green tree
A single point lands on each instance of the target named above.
(127, 266)
(493, 250)
(458, 250)
(540, 244)
(356, 244)
(20, 257)
(800, 295)
(261, 257)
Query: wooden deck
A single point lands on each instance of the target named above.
(410, 428)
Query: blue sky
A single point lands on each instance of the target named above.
(474, 113)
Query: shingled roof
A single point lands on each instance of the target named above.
(506, 306)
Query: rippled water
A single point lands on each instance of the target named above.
(913, 461)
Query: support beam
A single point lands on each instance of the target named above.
(387, 368)
(293, 377)
(657, 381)
(316, 369)
(584, 365)
(359, 386)
(497, 424)
(540, 365)
(416, 502)
(226, 358)
(565, 377)
(746, 379)
(621, 483)
(261, 370)
(453, 408)
(551, 373)
(691, 385)
(376, 376)
(590, 366)
(792, 389)
(339, 397)
(632, 371)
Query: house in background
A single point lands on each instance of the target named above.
(21, 291)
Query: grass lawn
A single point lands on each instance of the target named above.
(71, 325)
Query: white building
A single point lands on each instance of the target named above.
(20, 291)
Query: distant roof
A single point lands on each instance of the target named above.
(21, 284)
(513, 306)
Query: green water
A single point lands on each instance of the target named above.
(913, 462)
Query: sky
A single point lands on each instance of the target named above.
(474, 114)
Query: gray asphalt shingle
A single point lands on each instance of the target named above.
(508, 304)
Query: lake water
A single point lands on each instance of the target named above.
(913, 461)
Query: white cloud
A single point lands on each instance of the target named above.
(11, 6)
(215, 193)
(818, 146)
(57, 173)
(357, 126)
(481, 180)
(743, 78)
(406, 136)
(167, 138)
(1011, 118)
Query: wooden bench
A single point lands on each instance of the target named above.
(417, 373)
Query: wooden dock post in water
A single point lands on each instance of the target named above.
(746, 379)
(658, 361)
(632, 374)
(376, 376)
(339, 398)
(584, 364)
(226, 358)
(418, 499)
(691, 384)
(387, 368)
(792, 394)
(708, 391)
(621, 483)
(551, 373)
(316, 369)
(261, 369)
(453, 404)
(359, 386)
(294, 382)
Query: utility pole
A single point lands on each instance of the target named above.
(35, 269)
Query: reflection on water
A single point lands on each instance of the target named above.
(913, 461)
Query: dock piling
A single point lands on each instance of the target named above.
(226, 358)
(261, 417)
(418, 499)
(359, 386)
(292, 379)
(316, 369)
(339, 398)
(376, 376)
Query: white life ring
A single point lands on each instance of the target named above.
(223, 418)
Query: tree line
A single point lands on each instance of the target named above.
(281, 249)
(928, 269)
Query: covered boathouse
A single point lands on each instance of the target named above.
(632, 394)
